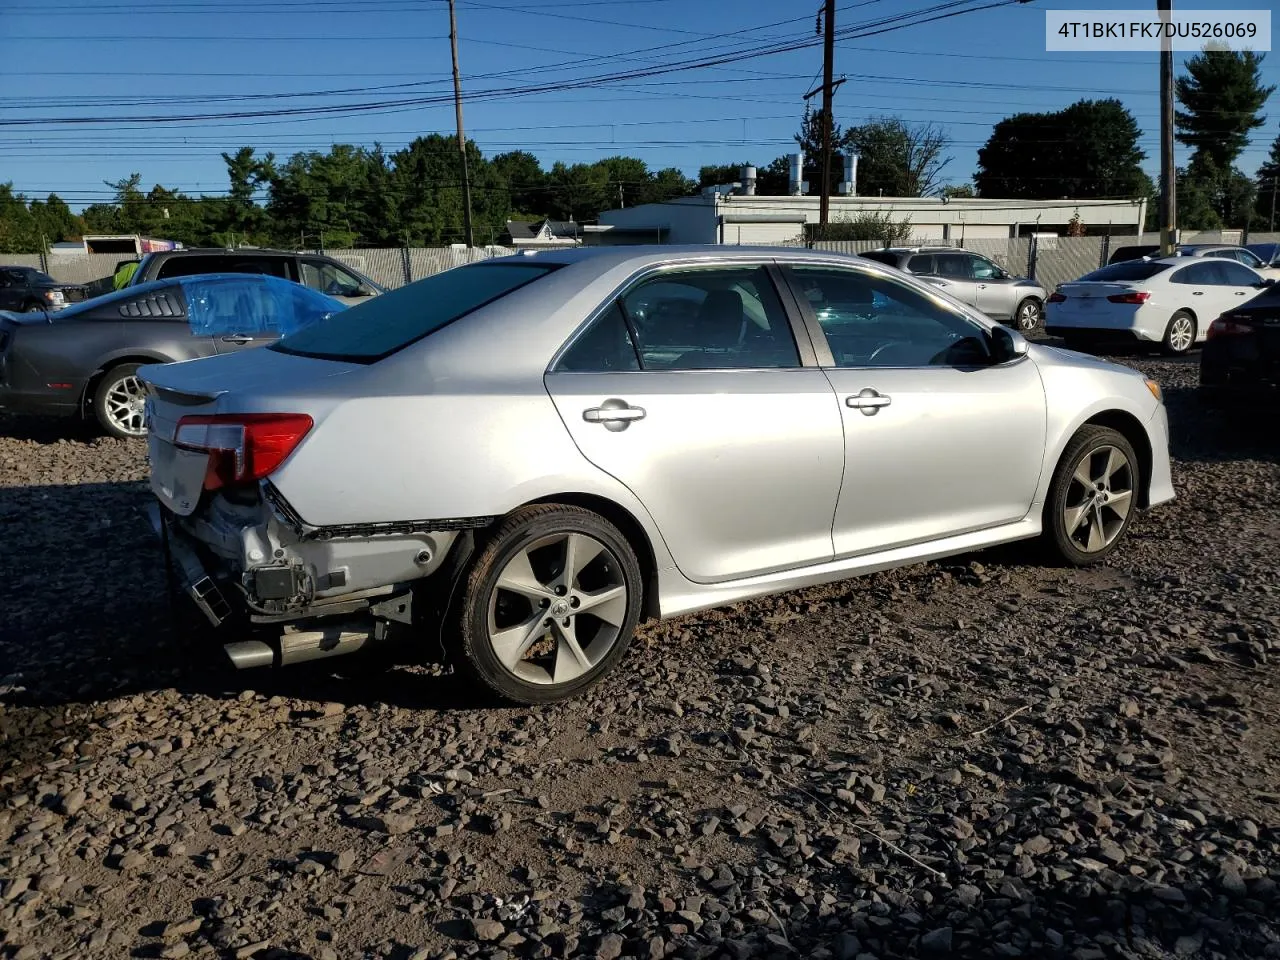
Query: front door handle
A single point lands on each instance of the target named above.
(615, 414)
(1197, 293)
(236, 338)
(868, 401)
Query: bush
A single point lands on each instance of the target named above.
(863, 226)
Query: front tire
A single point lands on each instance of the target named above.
(117, 402)
(549, 604)
(1092, 497)
(1179, 335)
(1029, 315)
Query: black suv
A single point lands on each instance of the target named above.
(27, 290)
(323, 274)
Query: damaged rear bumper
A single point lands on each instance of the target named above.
(254, 565)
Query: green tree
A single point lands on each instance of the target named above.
(1214, 197)
(578, 192)
(717, 173)
(19, 232)
(1268, 179)
(522, 176)
(775, 179)
(896, 159)
(55, 220)
(668, 184)
(1087, 150)
(427, 180)
(247, 176)
(963, 191)
(1222, 96)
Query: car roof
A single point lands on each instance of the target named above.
(644, 254)
(205, 251)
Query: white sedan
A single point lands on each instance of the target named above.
(1170, 302)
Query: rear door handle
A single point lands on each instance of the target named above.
(868, 401)
(237, 338)
(615, 414)
(1197, 293)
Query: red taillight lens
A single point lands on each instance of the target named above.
(1138, 298)
(1056, 297)
(1227, 327)
(242, 447)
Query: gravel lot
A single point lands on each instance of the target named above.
(979, 757)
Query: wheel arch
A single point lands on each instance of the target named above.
(1131, 428)
(104, 366)
(630, 528)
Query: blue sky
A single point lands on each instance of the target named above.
(117, 58)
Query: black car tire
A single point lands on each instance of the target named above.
(103, 411)
(1065, 489)
(1033, 319)
(1167, 343)
(521, 533)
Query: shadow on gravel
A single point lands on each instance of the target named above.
(47, 429)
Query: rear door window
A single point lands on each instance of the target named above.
(922, 263)
(954, 266)
(1202, 274)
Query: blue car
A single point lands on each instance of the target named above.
(83, 360)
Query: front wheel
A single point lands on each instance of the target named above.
(1179, 335)
(1092, 497)
(1029, 314)
(118, 402)
(549, 605)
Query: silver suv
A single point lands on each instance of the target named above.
(973, 279)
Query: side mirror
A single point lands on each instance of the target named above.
(1008, 344)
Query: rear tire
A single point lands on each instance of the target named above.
(1092, 498)
(1179, 335)
(531, 633)
(117, 402)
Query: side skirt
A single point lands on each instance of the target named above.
(680, 596)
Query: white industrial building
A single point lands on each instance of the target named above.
(734, 213)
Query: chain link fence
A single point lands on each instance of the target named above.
(1048, 260)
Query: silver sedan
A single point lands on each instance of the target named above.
(524, 457)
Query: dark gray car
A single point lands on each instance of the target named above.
(972, 279)
(83, 360)
(322, 274)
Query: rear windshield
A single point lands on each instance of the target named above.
(1132, 253)
(1128, 271)
(378, 328)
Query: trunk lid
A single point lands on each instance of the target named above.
(252, 381)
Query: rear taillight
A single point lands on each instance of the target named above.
(1056, 297)
(1228, 326)
(1139, 298)
(242, 447)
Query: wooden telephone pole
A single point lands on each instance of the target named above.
(1168, 170)
(462, 141)
(828, 89)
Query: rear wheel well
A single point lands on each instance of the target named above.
(630, 528)
(91, 388)
(1133, 431)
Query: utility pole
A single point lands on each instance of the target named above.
(1275, 182)
(1168, 171)
(462, 141)
(828, 63)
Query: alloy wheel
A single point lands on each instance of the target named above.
(1028, 316)
(1099, 499)
(125, 406)
(557, 608)
(1181, 333)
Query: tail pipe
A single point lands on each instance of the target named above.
(297, 646)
